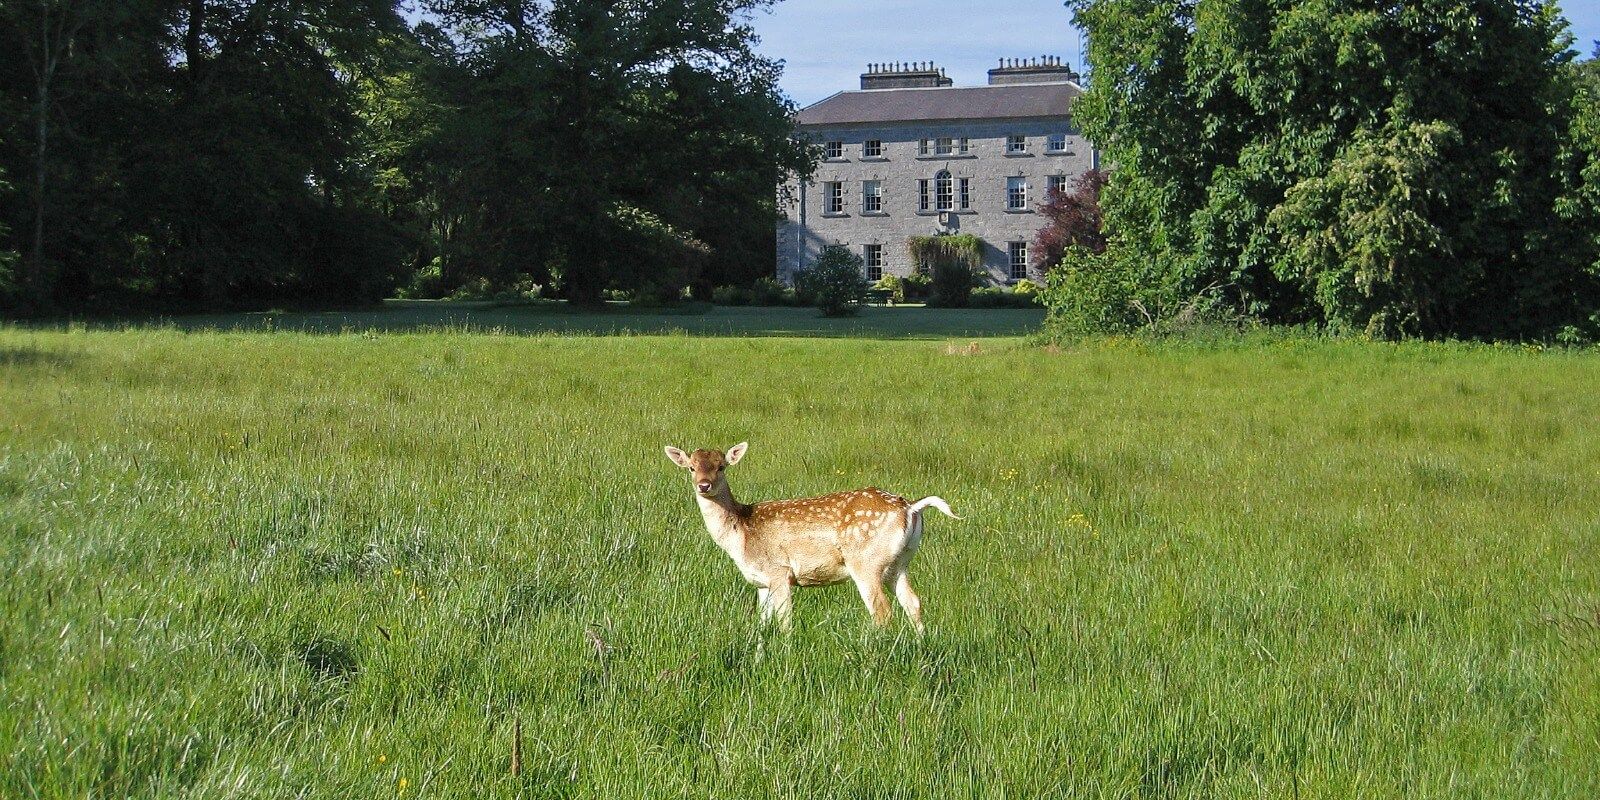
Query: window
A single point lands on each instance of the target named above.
(1016, 194)
(1016, 144)
(833, 197)
(872, 256)
(964, 193)
(835, 150)
(943, 191)
(922, 191)
(1058, 184)
(872, 197)
(965, 144)
(1019, 260)
(944, 146)
(922, 147)
(872, 148)
(1056, 143)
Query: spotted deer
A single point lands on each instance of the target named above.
(867, 536)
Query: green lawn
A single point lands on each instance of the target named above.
(335, 566)
(900, 322)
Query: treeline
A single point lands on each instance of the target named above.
(1394, 169)
(219, 153)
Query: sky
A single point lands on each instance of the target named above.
(826, 44)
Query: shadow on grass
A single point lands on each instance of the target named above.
(32, 357)
(873, 322)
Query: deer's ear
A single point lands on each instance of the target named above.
(678, 457)
(736, 452)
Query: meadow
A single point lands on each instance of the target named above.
(280, 563)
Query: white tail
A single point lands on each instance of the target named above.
(867, 536)
(935, 501)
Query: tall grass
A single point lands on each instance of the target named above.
(251, 564)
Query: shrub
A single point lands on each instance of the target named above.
(1089, 293)
(956, 262)
(834, 282)
(731, 296)
(1026, 287)
(769, 292)
(917, 286)
(953, 284)
(1000, 297)
(893, 285)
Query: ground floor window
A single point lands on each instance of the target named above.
(922, 191)
(1019, 260)
(964, 195)
(872, 256)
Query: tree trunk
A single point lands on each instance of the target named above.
(191, 37)
(35, 278)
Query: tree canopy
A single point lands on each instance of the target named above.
(1394, 168)
(221, 152)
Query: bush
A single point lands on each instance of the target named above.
(957, 266)
(953, 283)
(769, 292)
(892, 285)
(1000, 297)
(1026, 287)
(1089, 293)
(731, 296)
(834, 282)
(917, 286)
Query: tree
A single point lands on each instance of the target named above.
(1262, 147)
(606, 138)
(8, 258)
(197, 152)
(1073, 219)
(835, 282)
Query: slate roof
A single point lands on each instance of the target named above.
(1006, 101)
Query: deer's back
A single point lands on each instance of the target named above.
(848, 517)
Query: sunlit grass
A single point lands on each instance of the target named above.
(250, 564)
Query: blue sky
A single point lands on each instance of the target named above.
(825, 44)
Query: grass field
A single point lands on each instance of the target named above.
(337, 566)
(900, 322)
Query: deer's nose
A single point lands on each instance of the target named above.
(705, 486)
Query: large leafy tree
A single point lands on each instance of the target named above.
(1387, 167)
(609, 144)
(188, 150)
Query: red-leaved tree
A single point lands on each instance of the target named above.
(1074, 220)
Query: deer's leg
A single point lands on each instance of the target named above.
(764, 603)
(908, 599)
(779, 596)
(870, 583)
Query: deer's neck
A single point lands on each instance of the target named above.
(724, 519)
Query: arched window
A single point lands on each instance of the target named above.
(944, 191)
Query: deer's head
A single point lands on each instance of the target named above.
(708, 467)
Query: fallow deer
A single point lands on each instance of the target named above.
(867, 536)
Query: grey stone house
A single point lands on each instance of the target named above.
(911, 155)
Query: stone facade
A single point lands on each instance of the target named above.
(986, 166)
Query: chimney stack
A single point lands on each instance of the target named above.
(916, 75)
(1043, 69)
